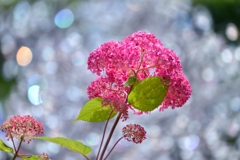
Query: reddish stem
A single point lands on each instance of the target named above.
(16, 153)
(105, 128)
(13, 142)
(113, 148)
(110, 135)
(85, 157)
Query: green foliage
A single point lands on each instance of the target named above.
(5, 148)
(223, 12)
(31, 158)
(148, 94)
(93, 111)
(131, 81)
(5, 84)
(70, 144)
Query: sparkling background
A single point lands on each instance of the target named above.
(44, 47)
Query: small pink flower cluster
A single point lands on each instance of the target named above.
(134, 133)
(44, 156)
(22, 127)
(140, 54)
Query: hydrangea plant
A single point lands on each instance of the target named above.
(135, 75)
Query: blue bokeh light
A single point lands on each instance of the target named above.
(64, 18)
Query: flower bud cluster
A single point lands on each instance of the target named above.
(134, 133)
(44, 156)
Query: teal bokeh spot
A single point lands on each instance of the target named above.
(64, 18)
(34, 95)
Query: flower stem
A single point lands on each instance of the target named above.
(16, 153)
(113, 148)
(105, 128)
(85, 157)
(13, 142)
(13, 145)
(110, 135)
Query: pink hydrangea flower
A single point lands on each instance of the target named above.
(22, 127)
(134, 133)
(142, 55)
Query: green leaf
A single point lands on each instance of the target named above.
(30, 157)
(5, 148)
(93, 111)
(148, 94)
(131, 81)
(70, 144)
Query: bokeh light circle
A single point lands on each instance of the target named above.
(34, 95)
(232, 32)
(24, 56)
(78, 59)
(92, 139)
(64, 18)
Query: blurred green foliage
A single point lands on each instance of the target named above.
(5, 85)
(223, 12)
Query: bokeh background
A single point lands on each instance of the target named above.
(44, 46)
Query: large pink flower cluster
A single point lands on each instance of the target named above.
(140, 54)
(22, 127)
